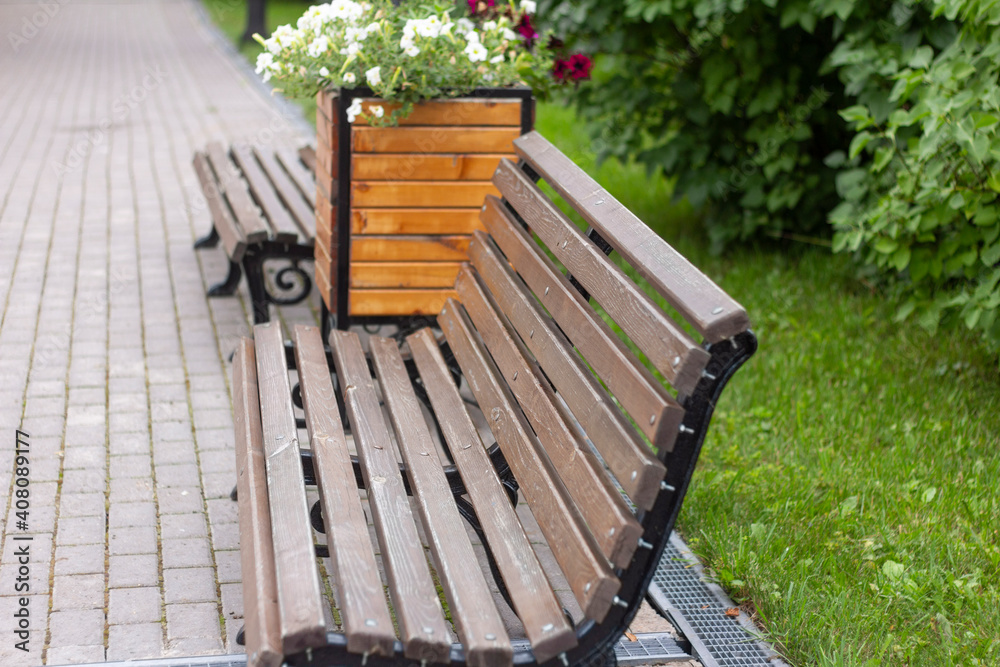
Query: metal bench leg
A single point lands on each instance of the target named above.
(253, 265)
(209, 240)
(228, 286)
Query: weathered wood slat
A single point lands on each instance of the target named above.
(362, 602)
(300, 175)
(283, 229)
(613, 526)
(398, 302)
(371, 248)
(415, 220)
(535, 603)
(469, 598)
(637, 469)
(434, 139)
(260, 588)
(656, 413)
(414, 599)
(234, 188)
(475, 111)
(421, 166)
(578, 554)
(667, 346)
(299, 597)
(419, 193)
(229, 232)
(713, 313)
(308, 156)
(403, 274)
(301, 210)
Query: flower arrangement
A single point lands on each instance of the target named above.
(405, 54)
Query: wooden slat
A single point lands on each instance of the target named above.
(299, 596)
(283, 230)
(602, 506)
(325, 221)
(703, 303)
(434, 139)
(535, 603)
(371, 248)
(398, 302)
(414, 599)
(469, 598)
(229, 232)
(260, 589)
(362, 602)
(308, 156)
(415, 220)
(325, 290)
(403, 274)
(667, 346)
(421, 166)
(301, 208)
(578, 554)
(300, 175)
(419, 193)
(475, 111)
(637, 469)
(234, 188)
(656, 413)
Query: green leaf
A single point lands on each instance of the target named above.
(921, 58)
(858, 143)
(901, 258)
(882, 157)
(885, 245)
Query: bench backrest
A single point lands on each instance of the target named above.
(542, 362)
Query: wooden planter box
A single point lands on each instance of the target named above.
(408, 196)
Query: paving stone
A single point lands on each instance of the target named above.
(132, 540)
(81, 504)
(85, 458)
(124, 444)
(83, 559)
(180, 500)
(135, 642)
(191, 552)
(181, 526)
(131, 490)
(78, 591)
(189, 620)
(132, 514)
(134, 570)
(80, 530)
(182, 475)
(192, 584)
(133, 465)
(134, 605)
(75, 655)
(227, 564)
(77, 627)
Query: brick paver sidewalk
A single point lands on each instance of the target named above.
(111, 358)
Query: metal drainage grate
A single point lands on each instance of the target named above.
(697, 609)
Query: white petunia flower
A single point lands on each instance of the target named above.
(496, 59)
(351, 49)
(429, 27)
(509, 34)
(345, 9)
(373, 27)
(411, 50)
(349, 77)
(272, 46)
(324, 72)
(374, 76)
(472, 37)
(476, 52)
(264, 62)
(465, 25)
(319, 46)
(377, 110)
(529, 6)
(490, 25)
(354, 110)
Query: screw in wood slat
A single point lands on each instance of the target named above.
(549, 627)
(598, 202)
(667, 487)
(621, 603)
(652, 419)
(564, 659)
(717, 310)
(643, 544)
(490, 636)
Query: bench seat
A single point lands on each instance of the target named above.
(261, 203)
(568, 417)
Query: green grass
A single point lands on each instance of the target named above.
(847, 493)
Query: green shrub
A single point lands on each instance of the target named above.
(920, 191)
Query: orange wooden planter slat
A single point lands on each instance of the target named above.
(430, 194)
(422, 166)
(409, 248)
(415, 220)
(453, 112)
(399, 302)
(403, 274)
(443, 139)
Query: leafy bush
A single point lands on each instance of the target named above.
(922, 205)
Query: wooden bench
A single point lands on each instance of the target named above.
(601, 451)
(261, 202)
